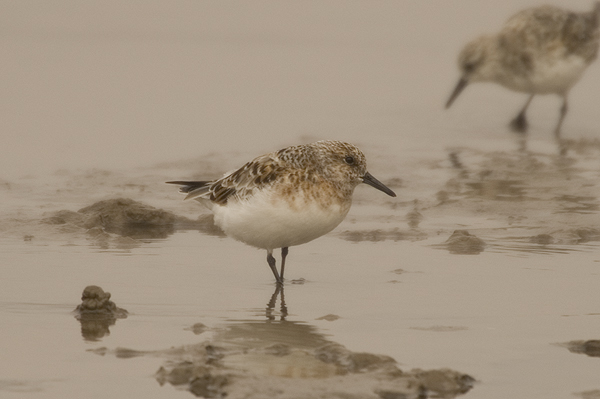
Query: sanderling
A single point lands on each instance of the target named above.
(542, 50)
(286, 198)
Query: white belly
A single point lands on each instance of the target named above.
(553, 75)
(264, 223)
(560, 76)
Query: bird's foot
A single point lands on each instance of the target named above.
(519, 124)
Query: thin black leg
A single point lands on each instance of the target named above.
(563, 113)
(519, 124)
(273, 266)
(284, 252)
(562, 146)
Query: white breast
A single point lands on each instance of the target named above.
(265, 222)
(558, 75)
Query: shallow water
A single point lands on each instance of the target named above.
(494, 303)
(495, 310)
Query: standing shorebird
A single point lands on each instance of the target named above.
(542, 50)
(286, 198)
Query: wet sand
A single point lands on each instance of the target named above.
(489, 268)
(486, 265)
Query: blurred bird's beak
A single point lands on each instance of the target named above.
(373, 182)
(462, 83)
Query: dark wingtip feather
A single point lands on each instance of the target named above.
(188, 186)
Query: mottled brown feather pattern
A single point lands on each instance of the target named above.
(258, 173)
(547, 28)
(581, 34)
(530, 37)
(295, 169)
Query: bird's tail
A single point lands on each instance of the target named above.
(193, 189)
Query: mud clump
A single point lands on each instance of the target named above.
(593, 394)
(201, 382)
(445, 380)
(586, 234)
(567, 236)
(239, 363)
(121, 216)
(590, 347)
(97, 313)
(542, 239)
(291, 360)
(197, 328)
(95, 301)
(209, 386)
(328, 371)
(129, 218)
(351, 362)
(328, 317)
(463, 243)
(378, 235)
(414, 218)
(66, 217)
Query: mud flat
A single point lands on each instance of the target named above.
(462, 285)
(291, 360)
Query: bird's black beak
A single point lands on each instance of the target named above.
(373, 182)
(462, 83)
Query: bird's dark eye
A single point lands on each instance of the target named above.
(349, 160)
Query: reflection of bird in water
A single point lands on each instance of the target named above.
(271, 305)
(542, 50)
(285, 198)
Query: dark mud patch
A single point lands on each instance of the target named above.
(292, 360)
(566, 236)
(129, 218)
(542, 239)
(577, 204)
(119, 223)
(590, 347)
(440, 328)
(197, 328)
(329, 317)
(414, 218)
(121, 220)
(499, 190)
(97, 313)
(593, 394)
(462, 242)
(378, 235)
(552, 242)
